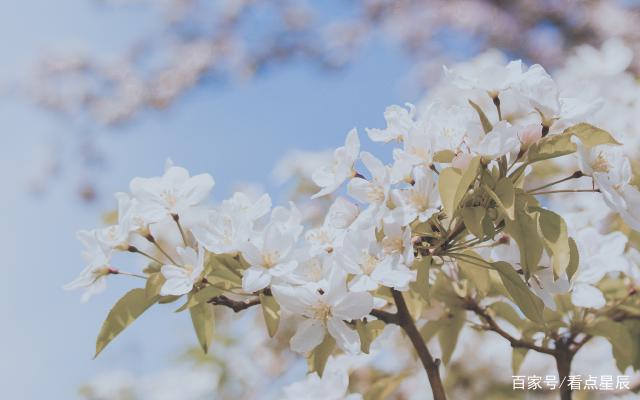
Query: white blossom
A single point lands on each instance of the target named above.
(330, 177)
(181, 278)
(327, 309)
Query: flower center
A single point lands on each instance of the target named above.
(600, 164)
(269, 259)
(418, 200)
(376, 194)
(392, 245)
(322, 311)
(169, 198)
(369, 264)
(189, 268)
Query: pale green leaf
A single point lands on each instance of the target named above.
(486, 125)
(154, 284)
(476, 275)
(383, 388)
(443, 156)
(553, 230)
(319, 356)
(223, 270)
(517, 357)
(524, 230)
(448, 182)
(472, 217)
(421, 284)
(468, 177)
(590, 135)
(271, 313)
(550, 147)
(202, 317)
(123, 313)
(448, 334)
(619, 337)
(201, 296)
(574, 258)
(368, 332)
(506, 193)
(506, 312)
(529, 303)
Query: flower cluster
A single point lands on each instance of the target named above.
(463, 215)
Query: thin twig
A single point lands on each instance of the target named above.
(492, 325)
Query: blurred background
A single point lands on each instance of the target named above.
(93, 93)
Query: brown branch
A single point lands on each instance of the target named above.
(385, 316)
(430, 364)
(235, 305)
(493, 326)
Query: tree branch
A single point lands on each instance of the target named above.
(385, 316)
(235, 305)
(492, 325)
(406, 322)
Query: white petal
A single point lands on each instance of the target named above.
(353, 306)
(310, 334)
(346, 338)
(196, 189)
(362, 283)
(283, 268)
(178, 281)
(359, 189)
(587, 296)
(297, 300)
(255, 278)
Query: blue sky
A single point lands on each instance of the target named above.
(236, 133)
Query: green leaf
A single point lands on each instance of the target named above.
(319, 356)
(383, 388)
(154, 284)
(590, 135)
(201, 296)
(529, 303)
(506, 193)
(444, 156)
(123, 313)
(476, 275)
(421, 284)
(574, 258)
(223, 270)
(368, 332)
(517, 357)
(448, 334)
(506, 312)
(430, 329)
(271, 313)
(524, 230)
(553, 230)
(619, 337)
(202, 318)
(468, 177)
(472, 217)
(550, 147)
(486, 125)
(448, 182)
